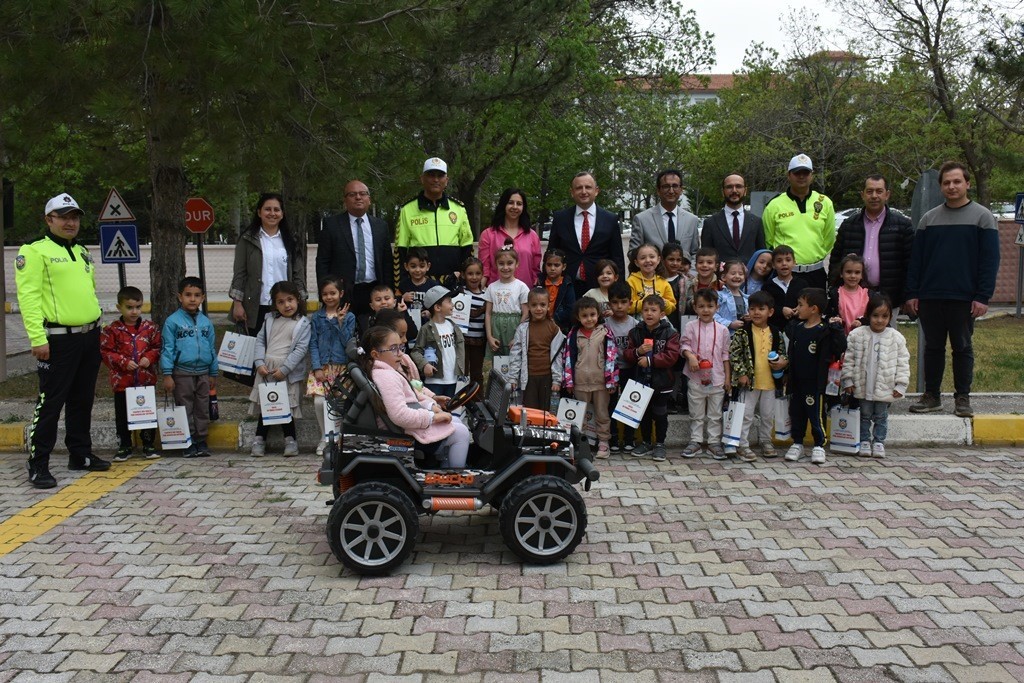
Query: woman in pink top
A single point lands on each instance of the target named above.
(414, 411)
(511, 222)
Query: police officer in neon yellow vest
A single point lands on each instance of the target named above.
(805, 220)
(437, 222)
(56, 280)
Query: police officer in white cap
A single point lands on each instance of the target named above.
(435, 221)
(803, 219)
(56, 281)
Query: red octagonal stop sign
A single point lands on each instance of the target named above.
(198, 215)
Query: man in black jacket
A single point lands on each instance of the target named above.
(356, 247)
(882, 237)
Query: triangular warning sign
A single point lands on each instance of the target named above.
(1020, 237)
(115, 210)
(119, 248)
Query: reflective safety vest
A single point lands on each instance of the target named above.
(809, 227)
(56, 282)
(441, 228)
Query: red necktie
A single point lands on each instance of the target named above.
(736, 229)
(584, 242)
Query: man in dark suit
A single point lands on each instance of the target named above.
(733, 232)
(586, 233)
(355, 246)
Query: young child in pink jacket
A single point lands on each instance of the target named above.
(416, 411)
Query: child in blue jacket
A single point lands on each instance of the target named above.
(188, 361)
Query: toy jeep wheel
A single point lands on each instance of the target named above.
(542, 519)
(372, 528)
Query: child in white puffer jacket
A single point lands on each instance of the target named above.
(876, 370)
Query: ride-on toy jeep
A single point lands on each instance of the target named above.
(382, 479)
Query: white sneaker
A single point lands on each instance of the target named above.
(259, 447)
(795, 452)
(818, 455)
(321, 447)
(291, 447)
(878, 450)
(865, 449)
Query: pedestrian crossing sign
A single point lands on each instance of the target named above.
(119, 243)
(1018, 209)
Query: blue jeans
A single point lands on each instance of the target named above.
(877, 412)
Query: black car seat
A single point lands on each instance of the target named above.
(363, 414)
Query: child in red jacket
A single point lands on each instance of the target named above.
(653, 348)
(130, 347)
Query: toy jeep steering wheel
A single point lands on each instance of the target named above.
(462, 396)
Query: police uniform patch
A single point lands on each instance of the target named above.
(818, 206)
(453, 217)
(19, 262)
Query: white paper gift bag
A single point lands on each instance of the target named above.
(461, 306)
(572, 412)
(783, 425)
(632, 403)
(844, 430)
(732, 423)
(174, 431)
(274, 405)
(141, 404)
(501, 364)
(237, 353)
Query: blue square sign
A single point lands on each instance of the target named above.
(1018, 208)
(119, 243)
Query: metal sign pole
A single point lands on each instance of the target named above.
(927, 195)
(202, 267)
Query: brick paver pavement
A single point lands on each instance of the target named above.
(910, 569)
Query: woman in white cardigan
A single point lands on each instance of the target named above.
(876, 370)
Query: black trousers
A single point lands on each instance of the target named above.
(656, 419)
(942, 318)
(359, 297)
(806, 405)
(66, 381)
(262, 430)
(816, 278)
(124, 435)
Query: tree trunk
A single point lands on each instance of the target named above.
(167, 267)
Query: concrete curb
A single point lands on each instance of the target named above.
(904, 431)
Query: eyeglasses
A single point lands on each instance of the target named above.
(353, 195)
(394, 348)
(674, 186)
(802, 171)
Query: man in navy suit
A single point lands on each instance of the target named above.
(586, 233)
(733, 232)
(355, 246)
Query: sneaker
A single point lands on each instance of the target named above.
(865, 449)
(641, 450)
(202, 450)
(795, 452)
(602, 450)
(191, 452)
(628, 447)
(291, 447)
(928, 403)
(123, 453)
(878, 450)
(149, 453)
(259, 447)
(962, 406)
(41, 478)
(818, 455)
(89, 463)
(659, 452)
(768, 450)
(718, 453)
(746, 454)
(321, 447)
(692, 450)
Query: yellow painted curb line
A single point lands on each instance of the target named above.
(223, 436)
(998, 430)
(36, 520)
(12, 436)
